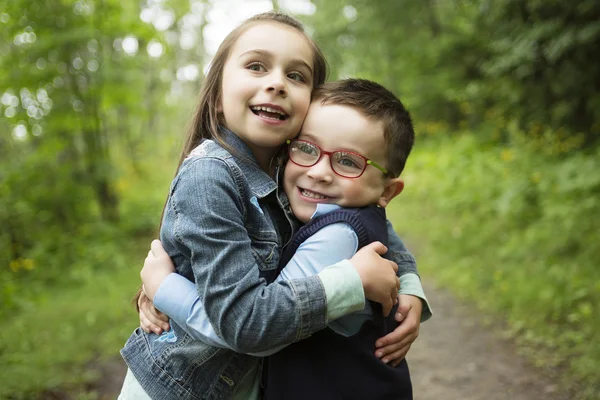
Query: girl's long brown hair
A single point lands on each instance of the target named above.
(207, 119)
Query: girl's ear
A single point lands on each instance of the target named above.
(393, 187)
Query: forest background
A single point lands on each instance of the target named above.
(501, 204)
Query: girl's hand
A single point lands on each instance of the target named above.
(157, 266)
(151, 320)
(392, 348)
(378, 275)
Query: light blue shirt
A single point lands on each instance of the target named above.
(178, 297)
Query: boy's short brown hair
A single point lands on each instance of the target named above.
(379, 104)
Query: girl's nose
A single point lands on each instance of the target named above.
(321, 171)
(277, 84)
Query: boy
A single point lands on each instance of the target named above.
(343, 169)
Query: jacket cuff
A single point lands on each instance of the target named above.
(312, 305)
(343, 289)
(411, 284)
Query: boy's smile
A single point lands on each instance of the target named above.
(338, 127)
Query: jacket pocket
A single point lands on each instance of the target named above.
(178, 355)
(264, 239)
(266, 254)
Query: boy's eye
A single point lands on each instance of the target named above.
(307, 148)
(296, 76)
(349, 161)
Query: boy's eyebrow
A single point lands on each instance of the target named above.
(313, 138)
(305, 136)
(265, 53)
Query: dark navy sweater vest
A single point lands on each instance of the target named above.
(330, 366)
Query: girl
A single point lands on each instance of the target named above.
(225, 223)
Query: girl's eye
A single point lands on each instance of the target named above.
(258, 67)
(296, 76)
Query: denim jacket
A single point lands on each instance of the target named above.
(219, 228)
(224, 226)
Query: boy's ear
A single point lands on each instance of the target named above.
(393, 187)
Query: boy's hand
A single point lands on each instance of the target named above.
(152, 320)
(392, 348)
(157, 266)
(378, 275)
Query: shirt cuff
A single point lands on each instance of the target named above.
(175, 297)
(343, 289)
(411, 284)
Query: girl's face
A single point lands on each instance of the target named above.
(266, 86)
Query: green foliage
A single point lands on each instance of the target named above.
(92, 123)
(533, 62)
(85, 122)
(69, 301)
(516, 231)
(79, 110)
(50, 344)
(541, 60)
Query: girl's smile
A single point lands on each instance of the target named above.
(270, 112)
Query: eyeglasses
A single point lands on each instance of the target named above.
(344, 163)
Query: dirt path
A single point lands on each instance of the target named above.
(454, 358)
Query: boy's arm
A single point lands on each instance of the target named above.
(179, 297)
(328, 246)
(412, 309)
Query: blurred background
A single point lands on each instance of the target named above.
(501, 204)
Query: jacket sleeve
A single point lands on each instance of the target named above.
(410, 281)
(398, 253)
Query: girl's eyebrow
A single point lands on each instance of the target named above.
(265, 53)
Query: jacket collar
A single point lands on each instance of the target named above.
(261, 184)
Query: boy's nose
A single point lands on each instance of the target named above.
(321, 171)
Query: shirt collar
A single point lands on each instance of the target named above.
(324, 208)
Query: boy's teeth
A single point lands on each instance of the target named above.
(313, 195)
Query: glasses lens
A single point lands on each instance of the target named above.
(304, 153)
(348, 164)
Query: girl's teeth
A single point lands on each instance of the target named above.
(267, 109)
(312, 195)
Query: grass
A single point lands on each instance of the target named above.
(514, 232)
(48, 346)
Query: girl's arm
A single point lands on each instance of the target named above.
(208, 227)
(339, 241)
(328, 246)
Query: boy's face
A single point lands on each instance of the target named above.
(336, 127)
